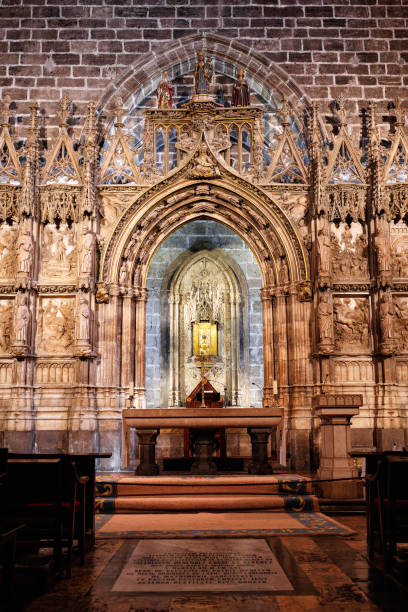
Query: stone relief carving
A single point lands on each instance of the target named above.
(6, 322)
(58, 250)
(203, 164)
(55, 372)
(55, 326)
(8, 239)
(351, 320)
(205, 300)
(349, 251)
(353, 371)
(401, 323)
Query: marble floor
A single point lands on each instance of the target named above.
(327, 573)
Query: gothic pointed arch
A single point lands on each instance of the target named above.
(183, 196)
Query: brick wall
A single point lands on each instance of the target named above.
(80, 47)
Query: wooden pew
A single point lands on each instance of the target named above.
(47, 495)
(394, 507)
(84, 464)
(9, 531)
(387, 503)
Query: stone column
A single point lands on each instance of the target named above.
(267, 321)
(259, 441)
(140, 352)
(203, 440)
(147, 452)
(335, 412)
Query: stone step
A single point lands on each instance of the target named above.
(181, 503)
(125, 486)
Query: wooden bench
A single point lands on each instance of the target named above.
(9, 531)
(48, 495)
(387, 504)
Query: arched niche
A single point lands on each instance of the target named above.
(172, 275)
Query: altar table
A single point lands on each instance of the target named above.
(258, 421)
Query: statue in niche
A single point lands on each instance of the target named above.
(325, 320)
(7, 252)
(203, 73)
(123, 272)
(383, 252)
(351, 321)
(25, 253)
(6, 313)
(387, 313)
(164, 93)
(21, 318)
(88, 246)
(55, 326)
(204, 166)
(282, 270)
(240, 90)
(323, 252)
(83, 319)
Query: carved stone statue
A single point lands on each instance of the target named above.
(164, 93)
(88, 244)
(204, 166)
(60, 249)
(325, 320)
(123, 272)
(203, 74)
(383, 252)
(387, 313)
(323, 252)
(21, 319)
(83, 319)
(240, 90)
(25, 253)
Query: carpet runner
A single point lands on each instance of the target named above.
(218, 524)
(124, 494)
